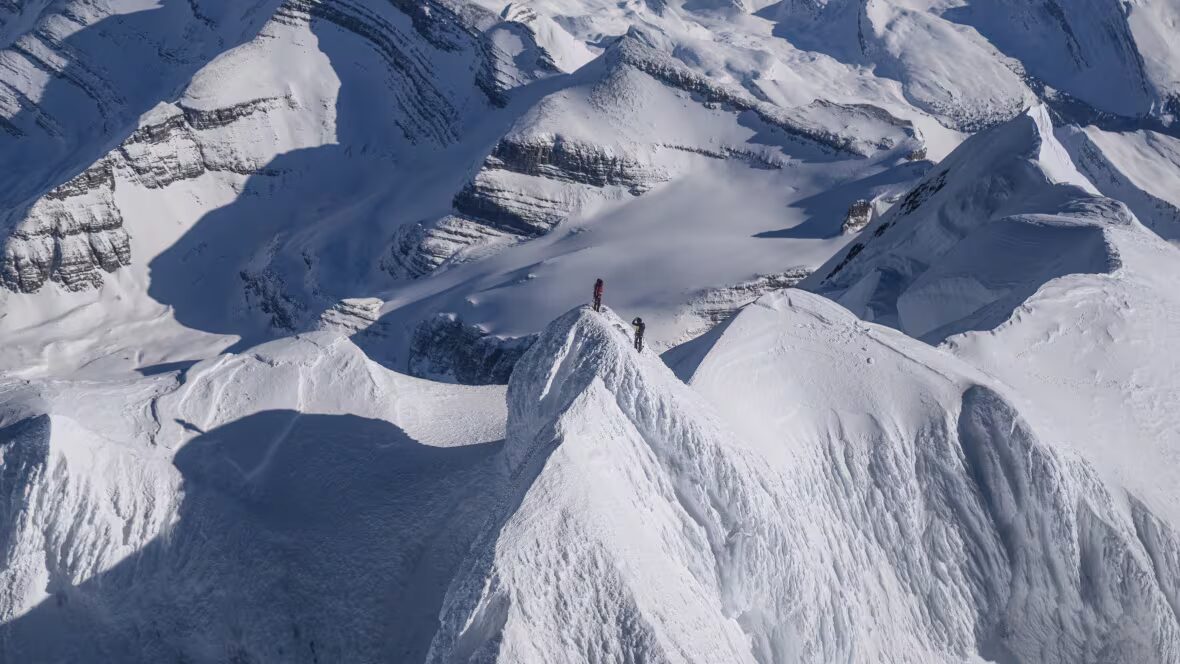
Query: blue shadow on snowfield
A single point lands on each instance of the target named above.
(300, 538)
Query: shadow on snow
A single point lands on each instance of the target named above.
(300, 538)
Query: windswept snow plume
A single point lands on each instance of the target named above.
(297, 362)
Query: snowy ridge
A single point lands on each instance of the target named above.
(926, 266)
(1139, 169)
(583, 417)
(231, 229)
(783, 531)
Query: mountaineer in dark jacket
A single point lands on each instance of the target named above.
(598, 286)
(639, 328)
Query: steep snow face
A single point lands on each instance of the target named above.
(826, 490)
(296, 504)
(929, 267)
(1141, 169)
(1093, 352)
(944, 460)
(1087, 49)
(1061, 294)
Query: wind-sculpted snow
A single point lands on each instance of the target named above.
(829, 491)
(227, 225)
(75, 504)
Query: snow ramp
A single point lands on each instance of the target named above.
(825, 490)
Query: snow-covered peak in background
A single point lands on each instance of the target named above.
(463, 158)
(1003, 214)
(910, 389)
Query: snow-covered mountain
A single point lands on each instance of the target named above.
(908, 269)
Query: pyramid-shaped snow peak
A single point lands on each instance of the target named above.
(614, 540)
(1005, 213)
(825, 490)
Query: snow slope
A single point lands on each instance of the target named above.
(232, 229)
(1003, 214)
(1008, 254)
(246, 186)
(293, 503)
(826, 490)
(1095, 352)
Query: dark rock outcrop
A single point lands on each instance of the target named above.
(860, 213)
(509, 199)
(558, 158)
(445, 348)
(71, 236)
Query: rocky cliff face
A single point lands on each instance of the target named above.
(173, 146)
(860, 213)
(525, 187)
(444, 348)
(71, 236)
(558, 158)
(75, 233)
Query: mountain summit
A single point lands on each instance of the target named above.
(297, 362)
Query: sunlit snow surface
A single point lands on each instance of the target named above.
(958, 440)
